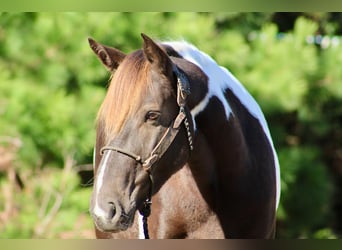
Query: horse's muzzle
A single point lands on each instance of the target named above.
(113, 218)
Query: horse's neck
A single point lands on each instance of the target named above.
(218, 152)
(202, 166)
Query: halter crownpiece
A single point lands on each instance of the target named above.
(183, 91)
(183, 86)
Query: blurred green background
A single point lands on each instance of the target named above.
(51, 86)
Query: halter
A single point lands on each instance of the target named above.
(183, 90)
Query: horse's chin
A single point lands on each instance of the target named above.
(108, 226)
(112, 228)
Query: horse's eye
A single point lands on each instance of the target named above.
(152, 115)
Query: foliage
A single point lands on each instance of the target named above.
(51, 86)
(51, 206)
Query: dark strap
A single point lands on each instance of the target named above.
(162, 146)
(122, 151)
(165, 141)
(183, 87)
(145, 211)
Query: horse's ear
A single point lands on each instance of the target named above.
(110, 57)
(157, 56)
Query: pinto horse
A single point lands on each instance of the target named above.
(177, 127)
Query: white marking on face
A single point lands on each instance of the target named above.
(221, 79)
(94, 157)
(98, 184)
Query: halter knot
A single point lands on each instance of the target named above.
(148, 163)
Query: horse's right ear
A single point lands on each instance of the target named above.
(110, 57)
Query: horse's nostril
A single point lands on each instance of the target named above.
(112, 210)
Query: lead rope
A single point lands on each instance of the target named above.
(188, 129)
(146, 210)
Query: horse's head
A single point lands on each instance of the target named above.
(143, 133)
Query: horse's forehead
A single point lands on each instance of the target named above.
(135, 84)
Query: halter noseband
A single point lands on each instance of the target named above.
(183, 90)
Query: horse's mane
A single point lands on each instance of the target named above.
(127, 86)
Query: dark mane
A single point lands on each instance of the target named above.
(127, 86)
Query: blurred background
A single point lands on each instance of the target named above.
(51, 86)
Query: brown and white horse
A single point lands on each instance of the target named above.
(177, 127)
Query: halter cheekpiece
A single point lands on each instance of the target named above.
(183, 91)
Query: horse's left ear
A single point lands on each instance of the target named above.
(157, 56)
(110, 57)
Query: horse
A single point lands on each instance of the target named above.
(180, 142)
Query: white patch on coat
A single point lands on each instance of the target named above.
(220, 79)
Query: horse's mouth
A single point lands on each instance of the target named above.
(119, 222)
